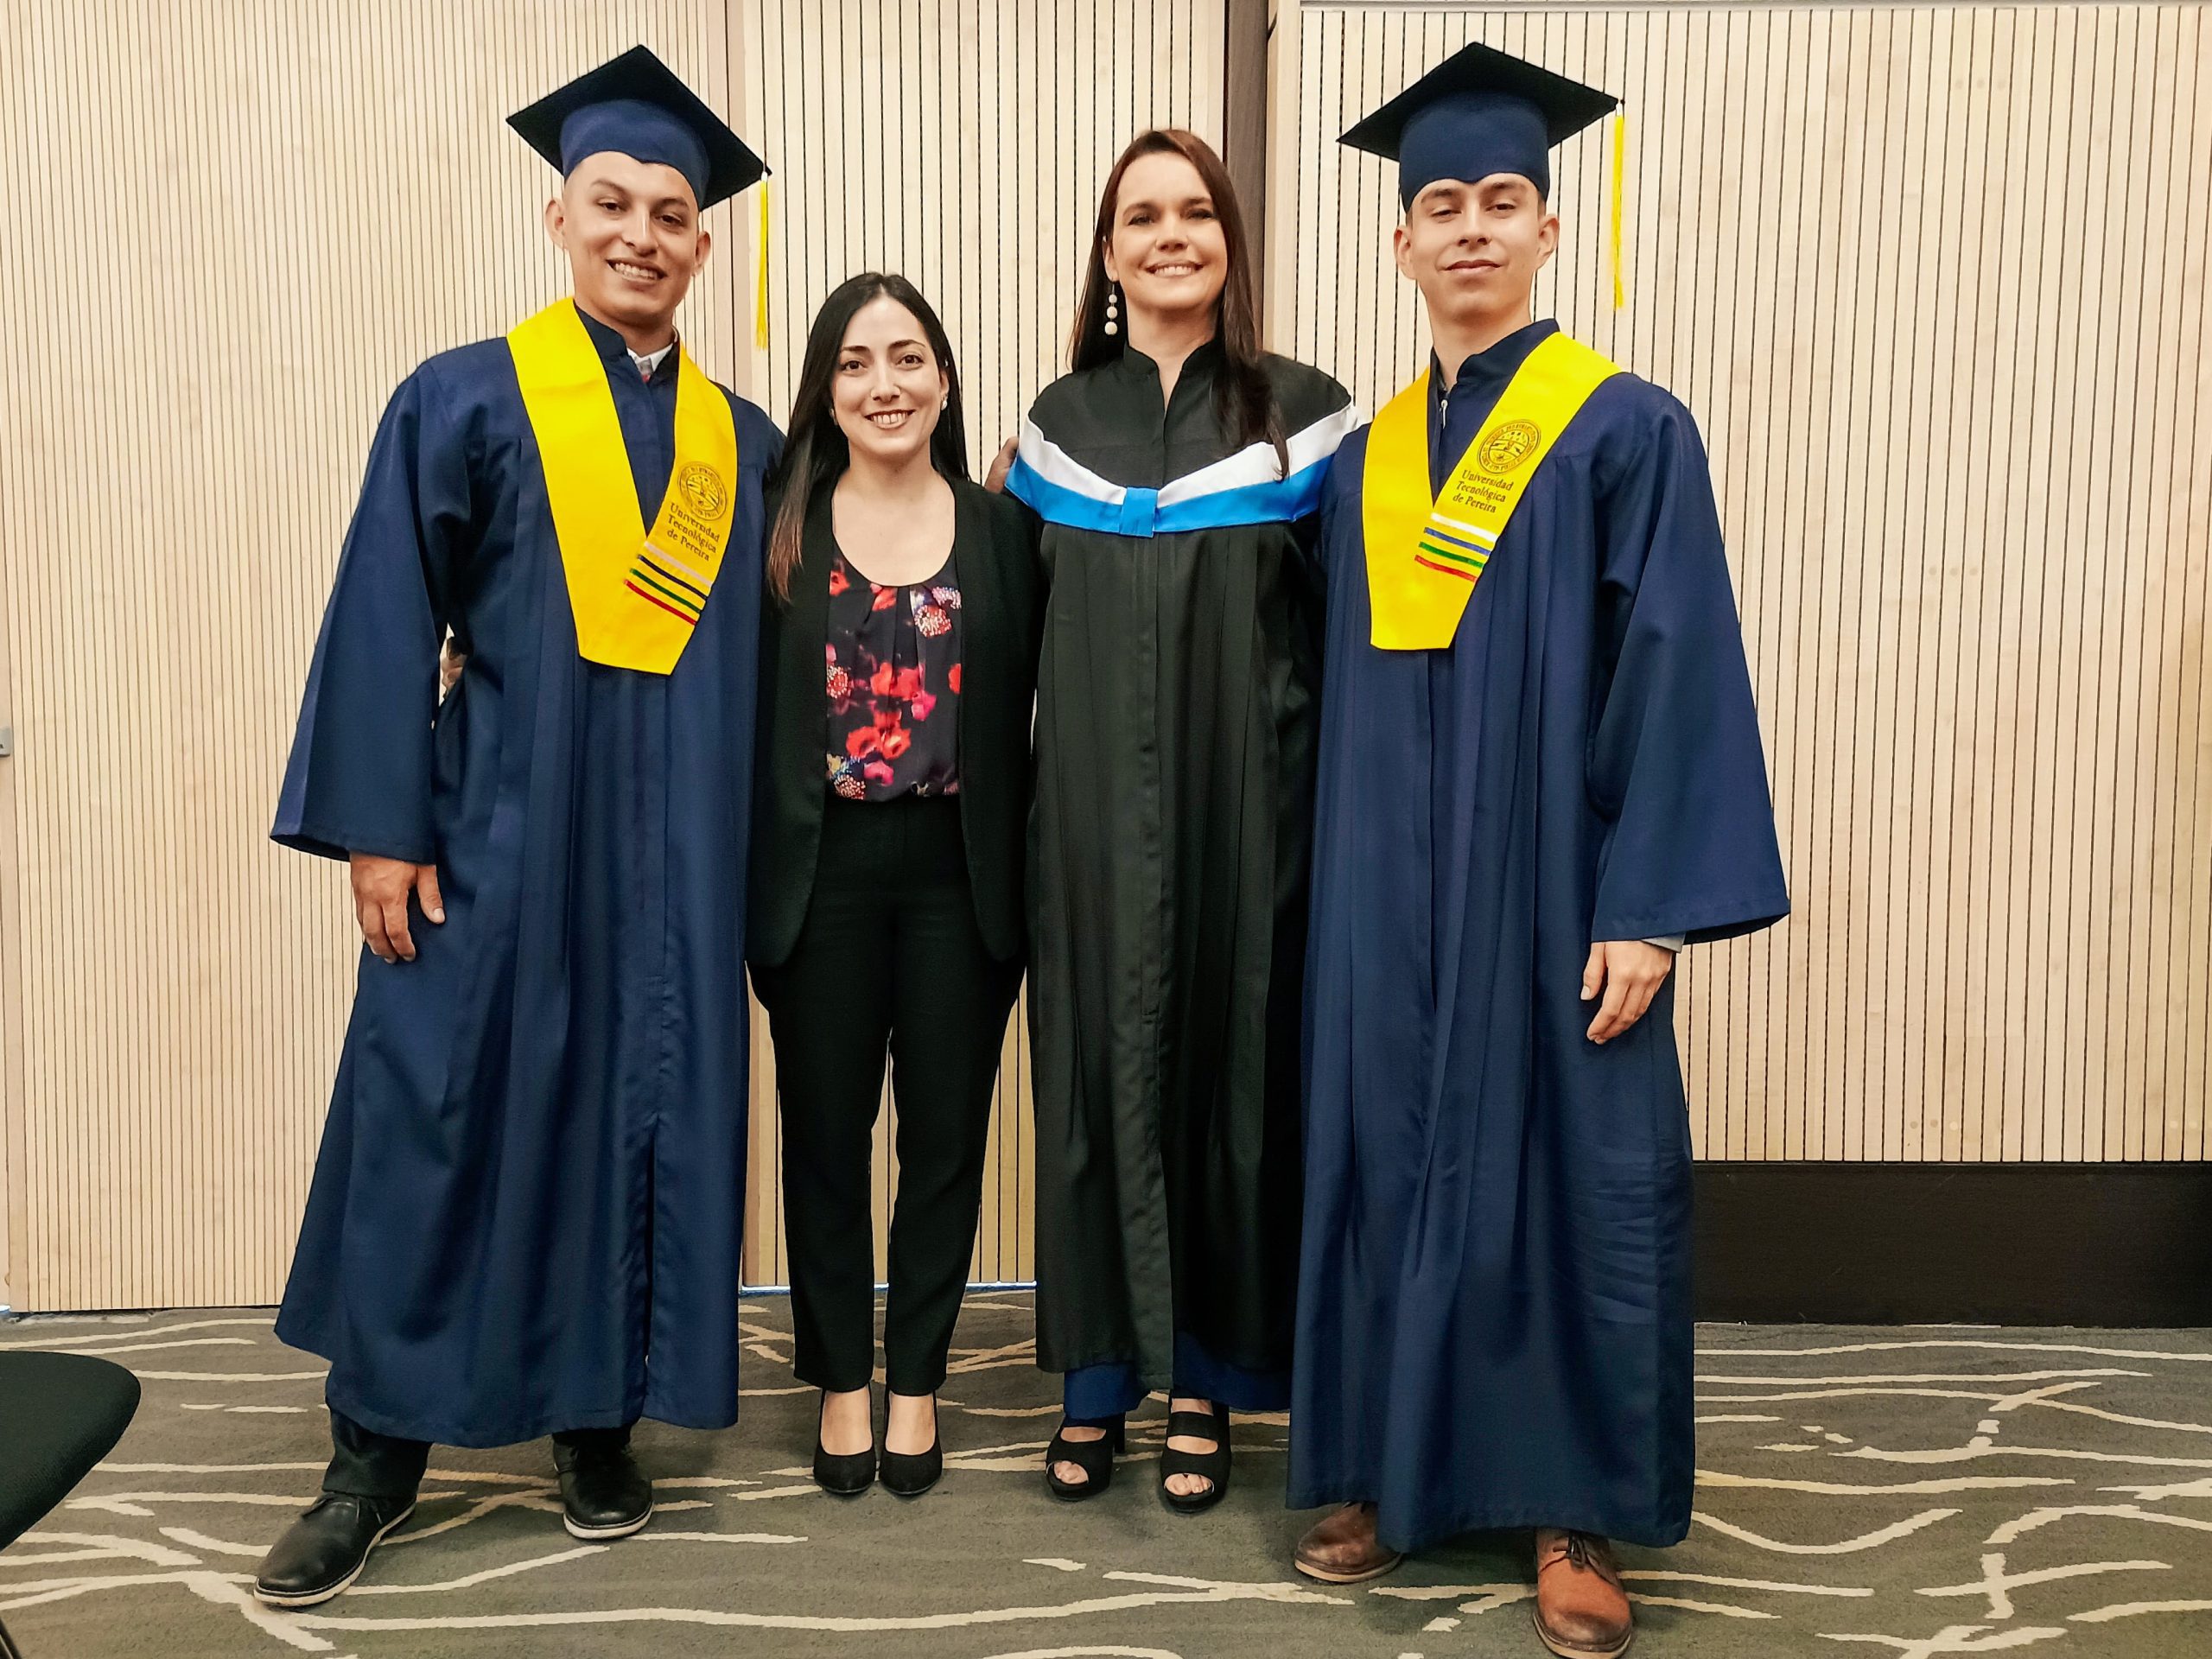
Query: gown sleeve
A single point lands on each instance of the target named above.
(359, 778)
(1677, 770)
(1337, 532)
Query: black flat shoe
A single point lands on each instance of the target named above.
(1095, 1457)
(846, 1474)
(325, 1549)
(1207, 1466)
(603, 1492)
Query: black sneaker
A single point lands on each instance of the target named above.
(603, 1494)
(325, 1549)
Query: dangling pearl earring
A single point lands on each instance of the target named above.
(1113, 307)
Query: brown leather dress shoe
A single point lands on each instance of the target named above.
(1582, 1610)
(1341, 1548)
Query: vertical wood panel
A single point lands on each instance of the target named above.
(13, 1211)
(1932, 280)
(961, 143)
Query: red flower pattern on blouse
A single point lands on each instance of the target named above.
(885, 645)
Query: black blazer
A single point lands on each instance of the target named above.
(1001, 619)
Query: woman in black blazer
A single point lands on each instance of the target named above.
(898, 666)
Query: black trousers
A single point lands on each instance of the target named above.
(888, 959)
(368, 1465)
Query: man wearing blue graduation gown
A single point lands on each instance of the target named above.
(1515, 822)
(526, 1213)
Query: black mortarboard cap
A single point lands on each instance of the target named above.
(1479, 112)
(636, 104)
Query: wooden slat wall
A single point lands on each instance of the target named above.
(253, 217)
(1932, 280)
(961, 143)
(1967, 240)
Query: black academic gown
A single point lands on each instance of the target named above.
(527, 1211)
(1494, 1321)
(1176, 706)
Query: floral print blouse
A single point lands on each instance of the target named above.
(893, 659)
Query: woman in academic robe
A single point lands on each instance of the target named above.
(1178, 471)
(899, 657)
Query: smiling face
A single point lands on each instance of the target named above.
(631, 231)
(888, 385)
(1166, 249)
(1474, 249)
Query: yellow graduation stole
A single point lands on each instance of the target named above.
(636, 594)
(1424, 554)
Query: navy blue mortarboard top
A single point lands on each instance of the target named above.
(635, 105)
(1479, 112)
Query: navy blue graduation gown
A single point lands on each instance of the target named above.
(526, 1213)
(1494, 1324)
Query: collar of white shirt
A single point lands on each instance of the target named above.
(649, 362)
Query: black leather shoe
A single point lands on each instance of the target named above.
(603, 1494)
(325, 1549)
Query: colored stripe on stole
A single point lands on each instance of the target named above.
(682, 601)
(666, 574)
(653, 593)
(1448, 569)
(652, 599)
(1473, 561)
(1448, 539)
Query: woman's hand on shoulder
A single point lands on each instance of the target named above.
(1002, 464)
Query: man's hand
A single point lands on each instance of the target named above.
(381, 889)
(995, 480)
(1629, 973)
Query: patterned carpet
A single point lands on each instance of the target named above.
(1914, 1492)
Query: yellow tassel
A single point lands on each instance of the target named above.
(761, 277)
(1620, 190)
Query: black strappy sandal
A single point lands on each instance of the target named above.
(1095, 1457)
(1206, 1465)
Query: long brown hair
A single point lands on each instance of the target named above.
(1244, 396)
(816, 452)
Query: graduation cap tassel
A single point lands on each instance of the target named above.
(761, 277)
(1620, 189)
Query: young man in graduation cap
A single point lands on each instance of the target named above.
(525, 1216)
(1540, 772)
